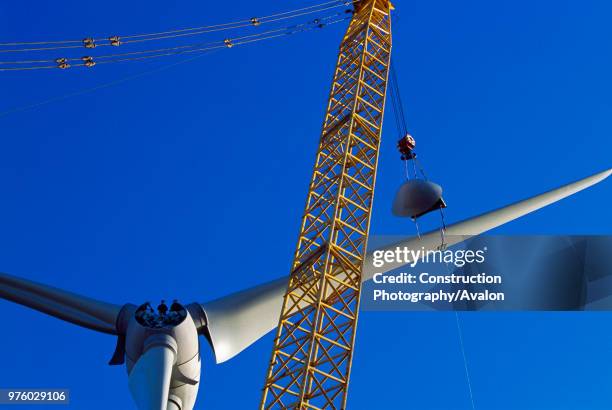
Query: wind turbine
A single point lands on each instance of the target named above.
(162, 355)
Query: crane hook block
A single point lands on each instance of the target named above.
(62, 63)
(115, 41)
(417, 197)
(255, 21)
(89, 42)
(228, 43)
(406, 146)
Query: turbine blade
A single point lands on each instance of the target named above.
(73, 308)
(477, 225)
(236, 321)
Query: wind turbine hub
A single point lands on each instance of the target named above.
(162, 355)
(162, 318)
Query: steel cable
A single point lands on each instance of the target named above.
(138, 38)
(192, 48)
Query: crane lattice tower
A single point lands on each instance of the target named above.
(313, 348)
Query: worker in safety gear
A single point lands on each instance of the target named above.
(162, 308)
(175, 306)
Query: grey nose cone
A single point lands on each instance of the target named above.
(162, 358)
(417, 197)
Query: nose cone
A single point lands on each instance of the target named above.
(163, 361)
(150, 377)
(417, 197)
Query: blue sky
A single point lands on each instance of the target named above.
(189, 182)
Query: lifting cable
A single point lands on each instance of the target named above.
(400, 118)
(407, 155)
(115, 40)
(402, 130)
(397, 103)
(185, 49)
(398, 109)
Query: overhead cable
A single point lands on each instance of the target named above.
(89, 61)
(115, 40)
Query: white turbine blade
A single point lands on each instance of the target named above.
(73, 308)
(236, 321)
(150, 377)
(459, 231)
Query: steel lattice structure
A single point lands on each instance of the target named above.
(313, 349)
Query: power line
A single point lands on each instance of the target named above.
(186, 49)
(204, 31)
(99, 87)
(210, 43)
(241, 41)
(193, 31)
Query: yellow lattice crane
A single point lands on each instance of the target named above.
(313, 348)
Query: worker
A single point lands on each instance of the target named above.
(145, 315)
(176, 306)
(162, 308)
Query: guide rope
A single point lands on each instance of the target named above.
(465, 365)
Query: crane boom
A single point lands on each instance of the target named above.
(313, 348)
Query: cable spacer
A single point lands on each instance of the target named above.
(255, 21)
(62, 63)
(88, 61)
(228, 43)
(89, 42)
(115, 41)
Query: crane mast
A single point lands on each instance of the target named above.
(313, 348)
